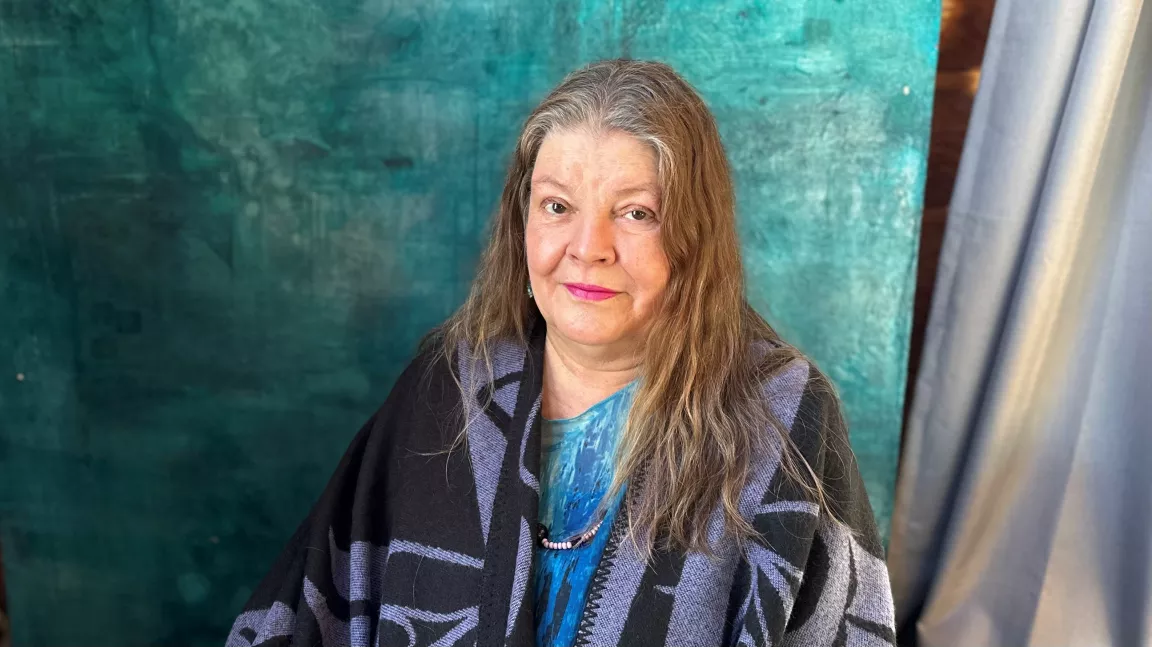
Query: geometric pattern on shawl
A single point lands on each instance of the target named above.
(826, 580)
(847, 599)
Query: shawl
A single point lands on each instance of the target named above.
(411, 545)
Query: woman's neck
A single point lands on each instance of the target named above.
(577, 377)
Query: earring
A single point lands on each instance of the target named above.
(530, 295)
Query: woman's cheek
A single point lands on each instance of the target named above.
(652, 270)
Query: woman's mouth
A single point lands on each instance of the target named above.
(587, 292)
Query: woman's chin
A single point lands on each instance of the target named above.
(590, 337)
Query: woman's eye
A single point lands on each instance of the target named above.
(638, 214)
(554, 208)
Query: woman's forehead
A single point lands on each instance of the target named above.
(574, 159)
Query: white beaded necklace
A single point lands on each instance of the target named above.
(575, 541)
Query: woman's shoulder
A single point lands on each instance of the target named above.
(804, 402)
(426, 384)
(802, 399)
(441, 370)
(797, 394)
(784, 385)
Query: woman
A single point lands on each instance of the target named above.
(605, 445)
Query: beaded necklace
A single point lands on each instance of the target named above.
(574, 541)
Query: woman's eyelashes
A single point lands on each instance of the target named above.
(554, 207)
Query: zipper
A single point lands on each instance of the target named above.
(607, 560)
(600, 581)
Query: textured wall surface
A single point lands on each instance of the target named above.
(223, 226)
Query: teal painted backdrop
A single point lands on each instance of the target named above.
(225, 225)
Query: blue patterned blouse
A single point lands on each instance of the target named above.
(576, 465)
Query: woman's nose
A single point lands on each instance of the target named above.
(594, 240)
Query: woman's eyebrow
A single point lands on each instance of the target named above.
(646, 187)
(548, 179)
(630, 192)
(641, 188)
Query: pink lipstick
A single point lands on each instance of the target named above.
(589, 292)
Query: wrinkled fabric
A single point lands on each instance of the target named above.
(1024, 513)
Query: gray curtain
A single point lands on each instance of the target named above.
(1024, 509)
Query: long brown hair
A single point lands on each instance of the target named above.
(699, 415)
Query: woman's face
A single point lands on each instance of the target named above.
(593, 237)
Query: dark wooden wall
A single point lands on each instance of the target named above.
(963, 33)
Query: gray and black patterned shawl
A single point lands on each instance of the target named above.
(407, 546)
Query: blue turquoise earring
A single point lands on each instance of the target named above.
(530, 295)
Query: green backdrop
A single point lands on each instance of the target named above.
(226, 223)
